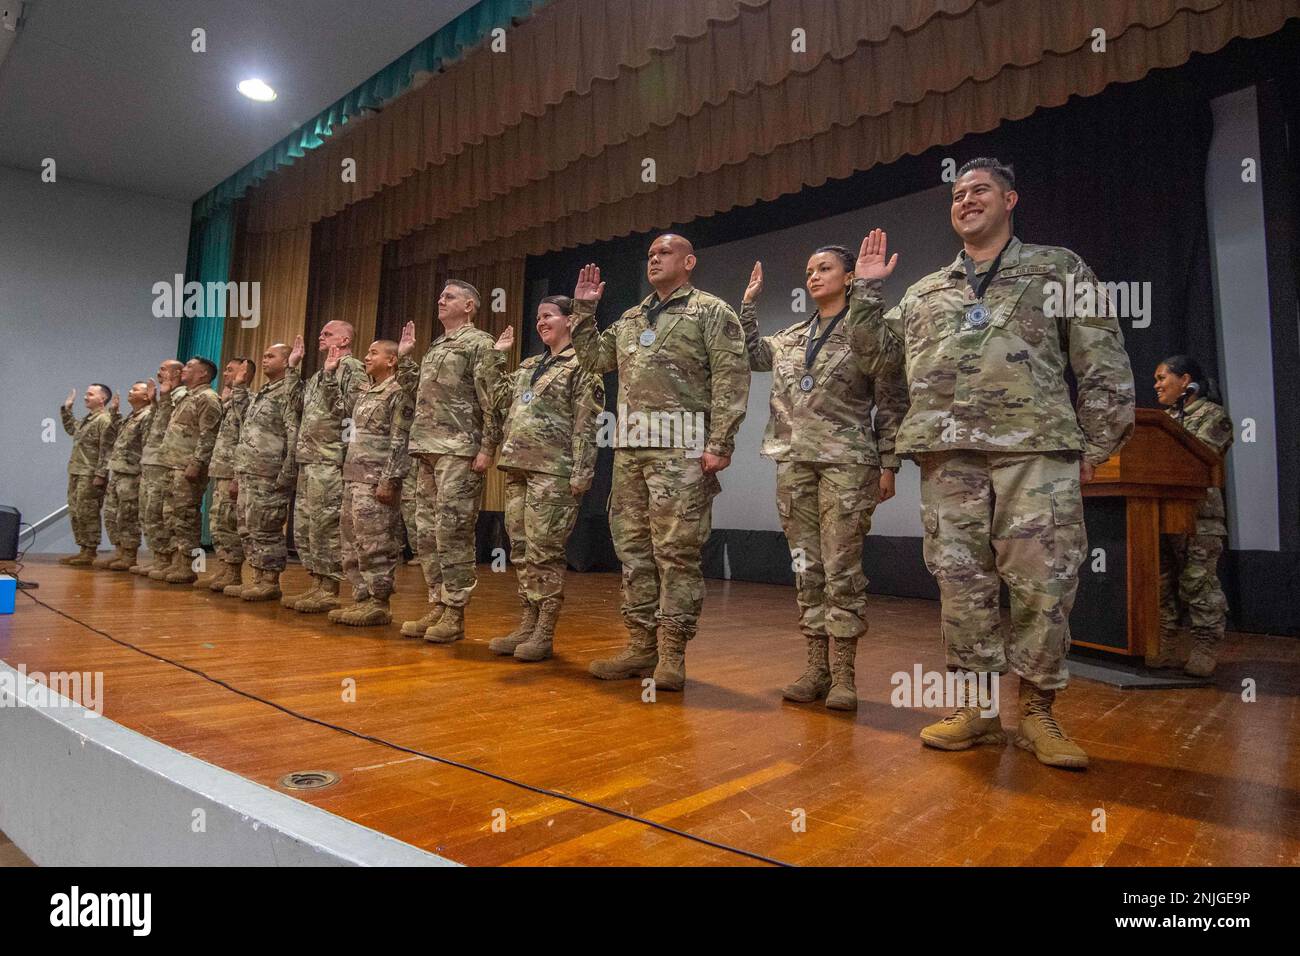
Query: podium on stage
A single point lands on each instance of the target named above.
(1152, 486)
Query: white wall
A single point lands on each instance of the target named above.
(77, 262)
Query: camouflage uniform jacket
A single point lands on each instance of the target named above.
(92, 441)
(1002, 388)
(381, 418)
(129, 443)
(320, 428)
(232, 416)
(830, 423)
(163, 406)
(696, 366)
(554, 432)
(1210, 423)
(192, 430)
(453, 387)
(268, 434)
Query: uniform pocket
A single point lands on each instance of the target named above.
(1067, 508)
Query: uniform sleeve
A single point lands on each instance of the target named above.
(758, 347)
(889, 392)
(402, 410)
(209, 425)
(488, 367)
(876, 338)
(352, 381)
(729, 377)
(1105, 378)
(291, 414)
(107, 436)
(339, 394)
(408, 375)
(588, 405)
(238, 405)
(69, 422)
(1215, 429)
(595, 350)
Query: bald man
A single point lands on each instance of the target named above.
(155, 477)
(683, 372)
(319, 456)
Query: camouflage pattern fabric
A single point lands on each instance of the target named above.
(162, 406)
(223, 522)
(84, 502)
(317, 504)
(1211, 424)
(182, 513)
(263, 506)
(122, 511)
(222, 464)
(1189, 583)
(191, 430)
(372, 542)
(264, 464)
(454, 387)
(540, 513)
(92, 442)
(155, 480)
(447, 498)
(128, 445)
(550, 424)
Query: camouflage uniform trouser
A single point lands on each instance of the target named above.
(154, 482)
(408, 513)
(224, 523)
(826, 512)
(446, 511)
(317, 503)
(372, 541)
(540, 514)
(263, 510)
(84, 501)
(1189, 579)
(122, 511)
(660, 515)
(182, 513)
(1014, 516)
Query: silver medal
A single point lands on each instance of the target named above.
(527, 396)
(806, 383)
(977, 316)
(648, 337)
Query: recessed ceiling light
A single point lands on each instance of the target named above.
(255, 89)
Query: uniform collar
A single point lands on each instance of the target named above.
(448, 336)
(652, 300)
(271, 385)
(1009, 258)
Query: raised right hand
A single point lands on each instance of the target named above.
(506, 340)
(755, 283)
(72, 397)
(407, 342)
(589, 287)
(297, 352)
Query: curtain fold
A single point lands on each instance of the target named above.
(208, 260)
(280, 263)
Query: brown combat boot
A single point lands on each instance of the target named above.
(325, 598)
(450, 627)
(82, 559)
(369, 613)
(142, 567)
(1205, 653)
(638, 659)
(162, 565)
(266, 587)
(226, 573)
(291, 600)
(102, 564)
(126, 562)
(964, 728)
(843, 694)
(182, 570)
(1170, 653)
(522, 633)
(816, 678)
(236, 587)
(418, 627)
(538, 645)
(1040, 733)
(670, 672)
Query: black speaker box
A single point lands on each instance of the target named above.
(10, 519)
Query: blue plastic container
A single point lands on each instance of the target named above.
(8, 592)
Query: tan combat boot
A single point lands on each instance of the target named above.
(236, 587)
(816, 678)
(162, 565)
(291, 600)
(325, 598)
(1170, 652)
(538, 645)
(450, 627)
(670, 672)
(369, 613)
(226, 573)
(522, 632)
(1040, 732)
(336, 615)
(69, 558)
(843, 694)
(964, 728)
(126, 562)
(1205, 653)
(638, 659)
(182, 570)
(83, 559)
(102, 564)
(265, 588)
(142, 567)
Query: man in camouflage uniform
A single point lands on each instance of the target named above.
(223, 520)
(319, 457)
(1189, 563)
(376, 462)
(154, 475)
(453, 439)
(551, 412)
(1002, 451)
(680, 357)
(833, 464)
(185, 450)
(122, 504)
(264, 477)
(92, 441)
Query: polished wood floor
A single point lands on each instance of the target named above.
(1183, 777)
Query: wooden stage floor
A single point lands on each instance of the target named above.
(1184, 777)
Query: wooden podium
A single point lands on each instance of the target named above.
(1157, 481)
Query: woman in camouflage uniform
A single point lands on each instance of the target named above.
(550, 408)
(1189, 563)
(833, 464)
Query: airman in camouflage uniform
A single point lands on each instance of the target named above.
(680, 357)
(551, 410)
(1002, 450)
(829, 457)
(264, 477)
(154, 475)
(319, 456)
(186, 449)
(376, 463)
(122, 504)
(453, 439)
(1189, 563)
(92, 442)
(223, 518)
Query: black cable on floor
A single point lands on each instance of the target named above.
(541, 791)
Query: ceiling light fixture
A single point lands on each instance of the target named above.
(255, 89)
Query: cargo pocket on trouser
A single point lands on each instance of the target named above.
(930, 542)
(1070, 537)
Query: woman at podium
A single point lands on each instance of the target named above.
(1189, 563)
